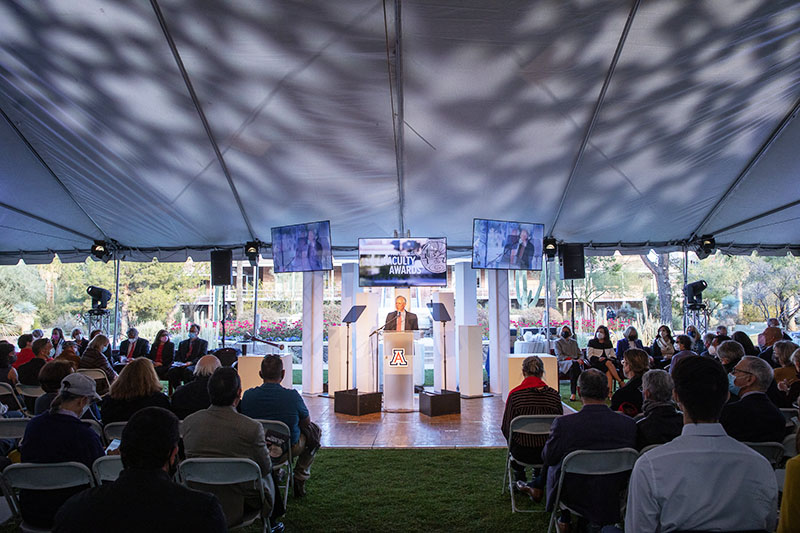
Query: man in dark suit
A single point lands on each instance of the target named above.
(133, 346)
(754, 418)
(770, 336)
(519, 252)
(401, 320)
(189, 352)
(595, 427)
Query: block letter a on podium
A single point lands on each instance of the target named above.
(398, 357)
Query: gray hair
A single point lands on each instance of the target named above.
(593, 384)
(730, 352)
(206, 365)
(533, 366)
(760, 370)
(782, 351)
(660, 385)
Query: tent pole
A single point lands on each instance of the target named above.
(546, 321)
(255, 303)
(116, 300)
(572, 310)
(685, 281)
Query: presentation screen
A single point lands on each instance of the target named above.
(411, 262)
(507, 245)
(302, 247)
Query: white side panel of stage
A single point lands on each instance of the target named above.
(312, 332)
(466, 281)
(447, 299)
(470, 361)
(365, 345)
(499, 335)
(349, 290)
(337, 359)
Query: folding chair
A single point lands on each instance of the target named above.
(13, 428)
(284, 461)
(107, 468)
(99, 377)
(226, 471)
(44, 476)
(773, 451)
(9, 397)
(524, 425)
(96, 427)
(593, 463)
(113, 430)
(789, 446)
(648, 448)
(29, 395)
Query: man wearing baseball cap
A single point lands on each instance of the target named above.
(55, 436)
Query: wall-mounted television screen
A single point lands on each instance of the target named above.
(402, 262)
(302, 247)
(507, 245)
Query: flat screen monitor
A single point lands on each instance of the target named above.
(409, 262)
(302, 247)
(502, 244)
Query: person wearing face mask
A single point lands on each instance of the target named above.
(56, 436)
(93, 358)
(189, 352)
(80, 340)
(600, 352)
(162, 353)
(133, 346)
(697, 340)
(663, 347)
(629, 341)
(570, 359)
(57, 339)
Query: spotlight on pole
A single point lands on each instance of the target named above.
(100, 296)
(550, 247)
(100, 250)
(705, 246)
(694, 293)
(251, 250)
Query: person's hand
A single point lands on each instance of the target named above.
(784, 385)
(156, 364)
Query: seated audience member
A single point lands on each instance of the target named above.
(716, 342)
(601, 355)
(697, 339)
(29, 372)
(570, 358)
(161, 353)
(771, 335)
(708, 339)
(189, 352)
(57, 340)
(729, 355)
(722, 331)
(107, 352)
(133, 347)
(744, 339)
(683, 345)
(790, 390)
(531, 397)
(660, 422)
(25, 343)
(136, 387)
(69, 353)
(144, 498)
(754, 418)
(669, 486)
(629, 340)
(270, 401)
(57, 436)
(8, 373)
(50, 377)
(193, 396)
(220, 431)
(663, 347)
(595, 427)
(37, 334)
(628, 398)
(774, 322)
(80, 340)
(93, 358)
(790, 501)
(782, 353)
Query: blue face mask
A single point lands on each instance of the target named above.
(192, 335)
(731, 387)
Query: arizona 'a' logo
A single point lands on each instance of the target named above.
(398, 357)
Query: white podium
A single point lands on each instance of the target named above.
(398, 370)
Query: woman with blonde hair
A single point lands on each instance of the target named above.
(136, 387)
(93, 358)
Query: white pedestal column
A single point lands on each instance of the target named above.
(337, 359)
(446, 299)
(312, 332)
(466, 280)
(499, 336)
(349, 290)
(364, 354)
(470, 361)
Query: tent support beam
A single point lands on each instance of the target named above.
(399, 122)
(206, 125)
(757, 217)
(116, 300)
(45, 221)
(595, 113)
(745, 172)
(42, 162)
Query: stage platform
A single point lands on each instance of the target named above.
(478, 425)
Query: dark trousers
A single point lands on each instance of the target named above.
(574, 372)
(179, 374)
(529, 456)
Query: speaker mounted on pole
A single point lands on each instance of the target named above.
(221, 267)
(570, 257)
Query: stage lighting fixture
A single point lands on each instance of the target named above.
(100, 297)
(251, 250)
(100, 250)
(705, 246)
(550, 247)
(694, 293)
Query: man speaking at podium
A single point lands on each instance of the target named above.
(400, 320)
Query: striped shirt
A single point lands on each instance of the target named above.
(531, 401)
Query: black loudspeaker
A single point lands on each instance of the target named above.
(570, 257)
(221, 271)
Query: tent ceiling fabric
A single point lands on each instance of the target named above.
(101, 137)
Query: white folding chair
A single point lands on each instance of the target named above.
(13, 428)
(107, 468)
(284, 461)
(44, 476)
(773, 451)
(9, 397)
(524, 425)
(648, 448)
(113, 430)
(226, 471)
(789, 446)
(29, 395)
(593, 463)
(98, 376)
(96, 427)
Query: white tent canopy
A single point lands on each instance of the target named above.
(173, 128)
